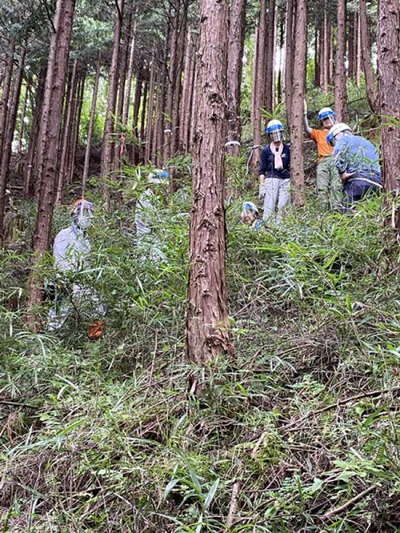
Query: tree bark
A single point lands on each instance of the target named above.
(269, 57)
(289, 53)
(90, 128)
(370, 81)
(56, 73)
(108, 143)
(34, 134)
(75, 129)
(207, 333)
(8, 138)
(389, 91)
(340, 72)
(297, 104)
(150, 110)
(5, 97)
(67, 133)
(234, 76)
(128, 88)
(260, 73)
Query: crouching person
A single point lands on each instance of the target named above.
(357, 161)
(71, 255)
(250, 215)
(274, 174)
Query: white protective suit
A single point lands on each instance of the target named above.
(71, 251)
(146, 221)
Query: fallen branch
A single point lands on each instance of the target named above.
(348, 504)
(19, 404)
(340, 403)
(233, 505)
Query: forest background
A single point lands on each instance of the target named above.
(282, 417)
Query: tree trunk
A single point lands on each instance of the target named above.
(8, 138)
(128, 88)
(90, 128)
(75, 129)
(5, 97)
(289, 49)
(34, 134)
(150, 110)
(56, 73)
(359, 52)
(143, 119)
(67, 133)
(207, 333)
(269, 57)
(234, 76)
(260, 73)
(108, 143)
(389, 91)
(370, 82)
(297, 104)
(340, 72)
(185, 111)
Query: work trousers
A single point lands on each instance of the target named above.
(329, 186)
(277, 196)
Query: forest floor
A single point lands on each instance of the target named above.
(298, 433)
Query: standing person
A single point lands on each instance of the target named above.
(71, 251)
(329, 187)
(274, 174)
(146, 215)
(357, 161)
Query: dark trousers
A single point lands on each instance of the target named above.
(355, 190)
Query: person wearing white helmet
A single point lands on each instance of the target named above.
(357, 161)
(71, 251)
(274, 173)
(250, 215)
(328, 182)
(146, 217)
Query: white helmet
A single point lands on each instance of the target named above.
(340, 127)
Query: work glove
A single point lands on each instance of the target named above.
(261, 189)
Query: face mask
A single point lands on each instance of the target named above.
(276, 136)
(83, 221)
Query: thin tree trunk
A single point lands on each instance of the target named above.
(34, 133)
(289, 48)
(75, 130)
(269, 57)
(143, 119)
(340, 72)
(5, 97)
(370, 82)
(186, 91)
(123, 67)
(108, 143)
(56, 73)
(90, 128)
(296, 124)
(359, 52)
(389, 91)
(8, 138)
(235, 61)
(260, 82)
(128, 88)
(316, 56)
(207, 333)
(150, 110)
(67, 133)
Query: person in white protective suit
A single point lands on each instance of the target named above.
(71, 251)
(146, 215)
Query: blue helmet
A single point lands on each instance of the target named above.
(273, 125)
(326, 112)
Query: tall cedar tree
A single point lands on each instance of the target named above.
(54, 92)
(389, 91)
(372, 93)
(207, 327)
(235, 62)
(340, 72)
(297, 103)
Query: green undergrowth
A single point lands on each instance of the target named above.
(114, 436)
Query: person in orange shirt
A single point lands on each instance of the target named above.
(329, 186)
